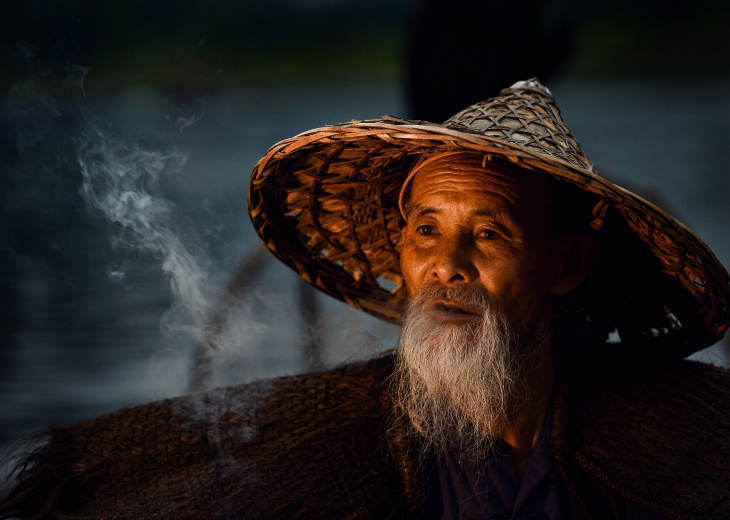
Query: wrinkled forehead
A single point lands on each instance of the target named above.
(473, 172)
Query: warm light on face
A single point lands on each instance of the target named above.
(482, 226)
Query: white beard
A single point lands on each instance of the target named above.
(449, 374)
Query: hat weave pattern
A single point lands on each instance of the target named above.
(325, 202)
(525, 115)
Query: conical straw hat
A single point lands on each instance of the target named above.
(326, 202)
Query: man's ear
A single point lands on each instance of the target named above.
(575, 257)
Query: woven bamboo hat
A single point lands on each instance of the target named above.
(326, 203)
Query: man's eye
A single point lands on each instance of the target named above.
(425, 230)
(487, 234)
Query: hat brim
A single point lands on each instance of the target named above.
(325, 202)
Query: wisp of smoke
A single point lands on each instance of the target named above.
(122, 180)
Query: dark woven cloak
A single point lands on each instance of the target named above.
(328, 445)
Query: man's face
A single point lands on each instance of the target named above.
(479, 267)
(481, 228)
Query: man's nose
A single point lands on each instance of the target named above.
(454, 262)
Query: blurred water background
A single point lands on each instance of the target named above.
(181, 99)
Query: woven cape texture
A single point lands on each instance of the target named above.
(324, 445)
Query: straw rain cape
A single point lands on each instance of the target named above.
(330, 445)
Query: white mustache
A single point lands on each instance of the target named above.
(467, 296)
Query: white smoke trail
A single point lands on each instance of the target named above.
(122, 180)
(121, 177)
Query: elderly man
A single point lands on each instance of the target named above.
(545, 313)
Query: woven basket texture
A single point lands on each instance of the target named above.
(326, 445)
(252, 451)
(325, 202)
(659, 438)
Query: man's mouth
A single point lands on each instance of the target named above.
(453, 310)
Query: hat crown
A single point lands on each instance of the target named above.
(525, 115)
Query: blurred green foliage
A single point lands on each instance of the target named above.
(191, 44)
(651, 37)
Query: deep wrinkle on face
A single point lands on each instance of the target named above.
(469, 224)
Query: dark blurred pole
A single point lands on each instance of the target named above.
(460, 52)
(310, 316)
(206, 348)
